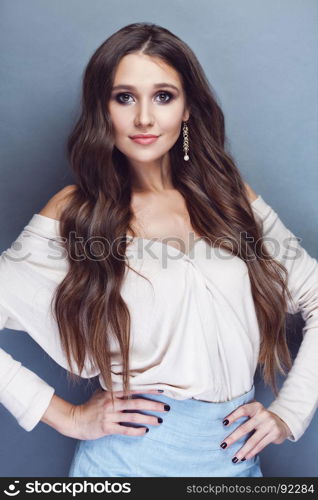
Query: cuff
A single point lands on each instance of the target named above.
(289, 419)
(27, 397)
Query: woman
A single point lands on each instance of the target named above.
(166, 286)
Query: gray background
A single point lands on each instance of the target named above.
(261, 58)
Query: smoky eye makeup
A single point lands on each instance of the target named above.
(123, 97)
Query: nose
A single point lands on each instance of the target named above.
(144, 115)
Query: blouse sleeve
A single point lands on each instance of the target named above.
(297, 399)
(25, 395)
(30, 270)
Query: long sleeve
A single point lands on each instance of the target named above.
(297, 399)
(25, 395)
(30, 270)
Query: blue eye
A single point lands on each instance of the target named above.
(118, 97)
(126, 101)
(167, 94)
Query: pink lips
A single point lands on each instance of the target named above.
(146, 139)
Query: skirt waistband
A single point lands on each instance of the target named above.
(199, 408)
(186, 443)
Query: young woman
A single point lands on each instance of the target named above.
(152, 271)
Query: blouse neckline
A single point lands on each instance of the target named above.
(134, 239)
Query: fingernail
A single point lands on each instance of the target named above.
(160, 390)
(223, 445)
(225, 422)
(234, 460)
(242, 459)
(160, 420)
(167, 407)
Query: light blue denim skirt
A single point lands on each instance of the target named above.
(186, 444)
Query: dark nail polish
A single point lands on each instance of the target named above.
(160, 420)
(234, 460)
(225, 422)
(147, 430)
(160, 390)
(242, 459)
(167, 407)
(223, 445)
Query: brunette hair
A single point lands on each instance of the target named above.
(89, 308)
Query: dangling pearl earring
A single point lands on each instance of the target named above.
(185, 141)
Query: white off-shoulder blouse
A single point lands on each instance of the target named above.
(194, 330)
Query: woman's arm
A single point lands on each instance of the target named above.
(297, 399)
(22, 274)
(23, 393)
(59, 415)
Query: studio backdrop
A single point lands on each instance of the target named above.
(261, 60)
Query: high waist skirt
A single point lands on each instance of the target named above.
(186, 444)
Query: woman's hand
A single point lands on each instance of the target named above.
(98, 417)
(268, 427)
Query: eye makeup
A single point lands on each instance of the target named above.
(117, 97)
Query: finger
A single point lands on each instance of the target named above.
(246, 410)
(138, 418)
(150, 391)
(141, 404)
(129, 431)
(240, 431)
(253, 446)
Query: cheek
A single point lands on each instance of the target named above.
(119, 122)
(169, 120)
(171, 129)
(171, 125)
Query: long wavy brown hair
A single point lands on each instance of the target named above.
(88, 307)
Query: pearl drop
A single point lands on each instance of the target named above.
(186, 157)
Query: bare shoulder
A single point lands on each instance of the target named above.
(250, 192)
(57, 203)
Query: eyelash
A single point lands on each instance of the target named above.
(171, 97)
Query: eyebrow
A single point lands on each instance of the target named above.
(157, 85)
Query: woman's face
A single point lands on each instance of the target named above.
(142, 102)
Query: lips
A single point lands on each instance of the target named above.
(144, 138)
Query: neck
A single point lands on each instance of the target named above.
(154, 176)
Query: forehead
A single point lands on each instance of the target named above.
(143, 70)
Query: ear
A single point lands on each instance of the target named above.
(186, 115)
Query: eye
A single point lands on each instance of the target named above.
(165, 94)
(123, 97)
(117, 97)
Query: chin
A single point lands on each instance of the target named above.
(145, 156)
(143, 159)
